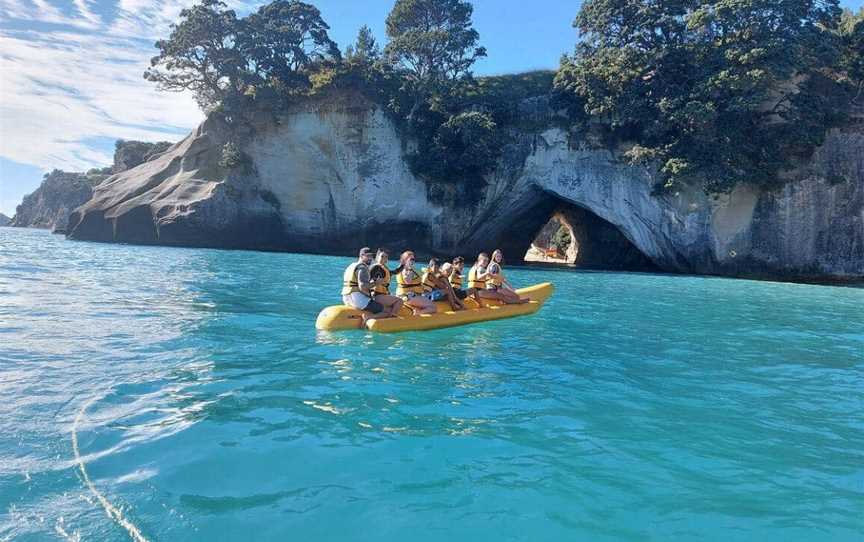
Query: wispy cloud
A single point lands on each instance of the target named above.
(74, 76)
(61, 89)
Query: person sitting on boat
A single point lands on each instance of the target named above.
(356, 289)
(437, 287)
(479, 277)
(454, 275)
(409, 286)
(498, 283)
(380, 275)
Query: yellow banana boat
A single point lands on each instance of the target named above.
(340, 317)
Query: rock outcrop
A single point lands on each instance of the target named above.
(128, 154)
(330, 175)
(49, 206)
(4, 220)
(61, 192)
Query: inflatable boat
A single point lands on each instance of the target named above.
(340, 317)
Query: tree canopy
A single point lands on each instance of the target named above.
(218, 56)
(710, 92)
(433, 39)
(715, 91)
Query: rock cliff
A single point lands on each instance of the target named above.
(49, 206)
(328, 175)
(4, 220)
(61, 192)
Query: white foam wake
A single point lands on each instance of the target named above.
(113, 512)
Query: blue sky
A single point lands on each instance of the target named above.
(71, 72)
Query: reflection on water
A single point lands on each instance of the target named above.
(632, 406)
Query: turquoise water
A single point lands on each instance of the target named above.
(205, 406)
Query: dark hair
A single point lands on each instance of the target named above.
(376, 271)
(433, 262)
(402, 260)
(458, 259)
(380, 252)
(365, 250)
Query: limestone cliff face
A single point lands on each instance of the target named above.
(329, 175)
(61, 192)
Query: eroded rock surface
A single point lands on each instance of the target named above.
(329, 175)
(50, 205)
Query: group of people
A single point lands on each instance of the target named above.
(366, 285)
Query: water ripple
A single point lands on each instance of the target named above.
(633, 406)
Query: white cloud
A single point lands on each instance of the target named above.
(83, 7)
(80, 78)
(60, 89)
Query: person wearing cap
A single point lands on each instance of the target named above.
(357, 289)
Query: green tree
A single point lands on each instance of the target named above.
(466, 146)
(852, 50)
(433, 39)
(220, 57)
(283, 39)
(201, 55)
(561, 239)
(365, 48)
(715, 91)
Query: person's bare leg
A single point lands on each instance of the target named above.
(391, 303)
(489, 294)
(451, 298)
(428, 306)
(421, 305)
(459, 305)
(366, 316)
(510, 297)
(516, 296)
(414, 305)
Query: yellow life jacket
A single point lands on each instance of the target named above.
(496, 280)
(473, 281)
(349, 279)
(428, 283)
(456, 279)
(383, 287)
(410, 286)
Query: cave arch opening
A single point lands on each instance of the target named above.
(558, 232)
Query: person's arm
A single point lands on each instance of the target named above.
(363, 280)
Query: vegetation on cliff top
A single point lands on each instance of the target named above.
(713, 92)
(716, 92)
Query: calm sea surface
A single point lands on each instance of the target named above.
(178, 394)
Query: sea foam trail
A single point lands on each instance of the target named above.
(113, 512)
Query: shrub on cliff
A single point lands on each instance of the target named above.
(717, 92)
(128, 154)
(466, 146)
(851, 63)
